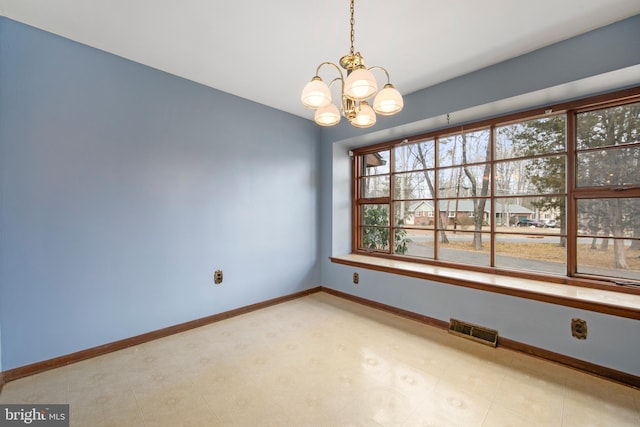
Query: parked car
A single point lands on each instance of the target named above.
(550, 223)
(529, 223)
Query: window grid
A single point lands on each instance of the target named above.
(470, 220)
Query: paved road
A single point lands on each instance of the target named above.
(482, 259)
(418, 248)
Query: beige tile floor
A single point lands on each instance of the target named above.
(324, 361)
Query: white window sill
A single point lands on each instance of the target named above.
(603, 301)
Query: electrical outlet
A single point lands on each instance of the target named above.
(579, 328)
(217, 277)
(356, 278)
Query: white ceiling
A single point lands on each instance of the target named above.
(266, 51)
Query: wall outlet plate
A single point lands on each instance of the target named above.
(217, 277)
(579, 328)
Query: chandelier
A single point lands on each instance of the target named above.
(357, 86)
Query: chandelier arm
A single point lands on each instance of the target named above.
(377, 67)
(335, 80)
(344, 105)
(341, 78)
(328, 63)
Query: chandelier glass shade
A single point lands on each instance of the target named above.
(327, 116)
(356, 86)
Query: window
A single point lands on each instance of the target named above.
(544, 193)
(607, 169)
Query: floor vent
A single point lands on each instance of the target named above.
(474, 332)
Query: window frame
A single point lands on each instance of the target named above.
(573, 193)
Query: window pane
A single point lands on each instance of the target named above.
(536, 214)
(606, 256)
(465, 181)
(538, 253)
(375, 234)
(470, 147)
(465, 248)
(462, 214)
(608, 241)
(376, 239)
(609, 167)
(401, 241)
(535, 137)
(531, 176)
(608, 127)
(417, 213)
(376, 186)
(415, 243)
(375, 215)
(413, 185)
(414, 156)
(609, 217)
(375, 163)
(414, 213)
(402, 214)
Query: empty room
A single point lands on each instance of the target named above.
(337, 213)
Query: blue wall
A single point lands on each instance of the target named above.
(124, 188)
(602, 60)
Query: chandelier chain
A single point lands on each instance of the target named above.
(352, 22)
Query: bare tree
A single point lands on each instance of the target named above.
(422, 158)
(478, 204)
